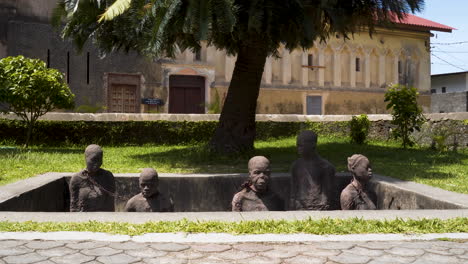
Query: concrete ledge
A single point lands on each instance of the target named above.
(121, 117)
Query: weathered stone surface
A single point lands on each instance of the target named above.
(165, 260)
(188, 255)
(15, 251)
(87, 244)
(56, 252)
(127, 245)
(117, 259)
(211, 247)
(146, 253)
(438, 258)
(102, 251)
(364, 251)
(456, 251)
(321, 253)
(274, 254)
(170, 247)
(253, 247)
(305, 260)
(77, 258)
(405, 252)
(260, 260)
(296, 247)
(235, 255)
(336, 245)
(438, 251)
(391, 259)
(347, 258)
(210, 261)
(26, 258)
(11, 243)
(43, 244)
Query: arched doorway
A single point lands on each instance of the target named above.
(186, 94)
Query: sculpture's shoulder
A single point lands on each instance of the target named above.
(325, 164)
(106, 174)
(135, 198)
(240, 195)
(347, 197)
(166, 202)
(131, 204)
(77, 178)
(236, 203)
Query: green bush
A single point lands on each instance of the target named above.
(53, 133)
(359, 128)
(407, 114)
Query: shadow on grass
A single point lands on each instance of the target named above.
(386, 160)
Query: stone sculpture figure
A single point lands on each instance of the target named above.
(92, 189)
(149, 199)
(356, 196)
(256, 194)
(313, 184)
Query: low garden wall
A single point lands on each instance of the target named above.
(117, 129)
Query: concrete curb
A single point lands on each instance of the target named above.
(220, 237)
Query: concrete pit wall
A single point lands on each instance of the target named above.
(213, 192)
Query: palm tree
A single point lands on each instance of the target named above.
(250, 29)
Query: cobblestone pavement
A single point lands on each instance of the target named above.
(50, 251)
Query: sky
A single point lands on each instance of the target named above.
(448, 56)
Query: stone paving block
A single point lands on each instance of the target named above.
(171, 247)
(260, 260)
(439, 258)
(234, 254)
(11, 243)
(450, 244)
(15, 251)
(102, 251)
(347, 258)
(87, 245)
(405, 252)
(279, 254)
(364, 251)
(146, 253)
(438, 251)
(321, 253)
(305, 260)
(127, 245)
(117, 259)
(165, 260)
(43, 262)
(381, 245)
(253, 247)
(23, 259)
(296, 247)
(336, 245)
(56, 252)
(456, 251)
(210, 261)
(188, 255)
(40, 244)
(391, 259)
(76, 258)
(211, 247)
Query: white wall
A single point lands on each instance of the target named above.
(452, 82)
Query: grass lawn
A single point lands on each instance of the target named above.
(318, 227)
(447, 170)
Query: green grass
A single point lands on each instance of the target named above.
(447, 170)
(318, 227)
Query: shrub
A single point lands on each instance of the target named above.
(359, 128)
(30, 89)
(407, 114)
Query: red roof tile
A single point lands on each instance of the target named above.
(412, 20)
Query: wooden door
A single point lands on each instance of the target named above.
(186, 94)
(123, 99)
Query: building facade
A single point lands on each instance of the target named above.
(342, 76)
(449, 92)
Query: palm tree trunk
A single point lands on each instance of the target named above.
(236, 127)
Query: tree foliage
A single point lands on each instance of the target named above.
(407, 114)
(359, 128)
(30, 89)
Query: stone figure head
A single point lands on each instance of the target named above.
(259, 173)
(93, 157)
(306, 143)
(148, 182)
(360, 166)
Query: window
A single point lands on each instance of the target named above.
(310, 59)
(433, 91)
(68, 67)
(400, 70)
(48, 58)
(444, 89)
(87, 67)
(198, 55)
(358, 64)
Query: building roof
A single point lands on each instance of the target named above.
(449, 73)
(421, 23)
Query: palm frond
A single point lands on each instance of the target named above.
(116, 9)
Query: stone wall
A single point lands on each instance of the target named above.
(449, 102)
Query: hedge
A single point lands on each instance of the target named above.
(53, 133)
